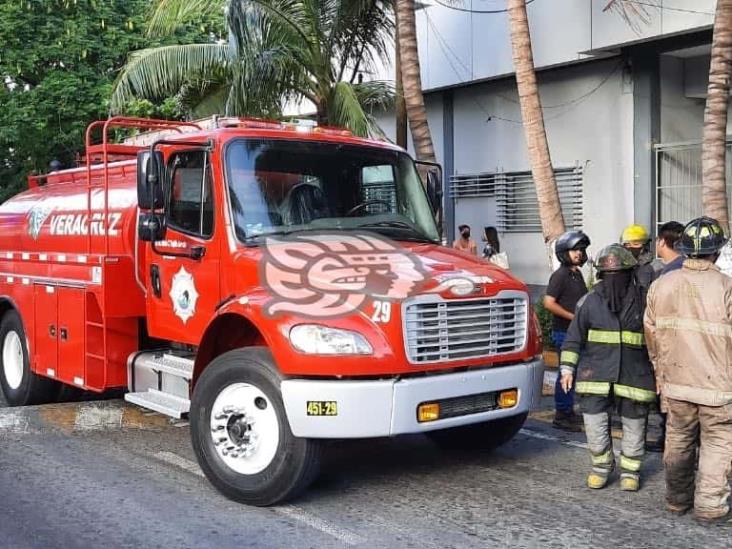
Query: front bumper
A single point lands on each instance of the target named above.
(389, 407)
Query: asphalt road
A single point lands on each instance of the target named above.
(140, 487)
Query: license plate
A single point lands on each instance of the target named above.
(322, 408)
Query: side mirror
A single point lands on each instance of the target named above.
(149, 180)
(151, 227)
(434, 189)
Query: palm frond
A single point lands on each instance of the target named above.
(636, 15)
(203, 98)
(345, 110)
(375, 95)
(161, 72)
(168, 15)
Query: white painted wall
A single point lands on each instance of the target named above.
(596, 130)
(681, 117)
(683, 95)
(458, 47)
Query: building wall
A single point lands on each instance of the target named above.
(589, 119)
(683, 95)
(595, 131)
(458, 47)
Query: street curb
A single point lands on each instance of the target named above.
(80, 417)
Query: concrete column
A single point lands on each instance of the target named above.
(448, 133)
(646, 133)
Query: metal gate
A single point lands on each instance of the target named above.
(679, 181)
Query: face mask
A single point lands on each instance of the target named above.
(466, 234)
(636, 252)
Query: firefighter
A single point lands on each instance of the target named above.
(635, 238)
(688, 324)
(566, 287)
(604, 347)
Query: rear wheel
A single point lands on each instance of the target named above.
(479, 436)
(19, 384)
(240, 432)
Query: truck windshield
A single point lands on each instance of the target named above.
(281, 187)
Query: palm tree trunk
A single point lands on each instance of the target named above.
(550, 211)
(714, 190)
(400, 107)
(412, 81)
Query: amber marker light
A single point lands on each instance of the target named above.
(429, 411)
(508, 399)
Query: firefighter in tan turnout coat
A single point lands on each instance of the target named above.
(688, 325)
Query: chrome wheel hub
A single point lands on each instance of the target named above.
(244, 428)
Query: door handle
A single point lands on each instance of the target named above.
(155, 281)
(64, 334)
(52, 330)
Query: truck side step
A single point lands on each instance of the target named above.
(164, 403)
(161, 371)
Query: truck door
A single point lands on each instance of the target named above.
(183, 273)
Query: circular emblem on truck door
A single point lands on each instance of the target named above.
(184, 295)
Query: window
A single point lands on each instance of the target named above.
(280, 187)
(190, 207)
(379, 188)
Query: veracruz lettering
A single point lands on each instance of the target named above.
(80, 224)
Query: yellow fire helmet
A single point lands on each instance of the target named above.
(634, 234)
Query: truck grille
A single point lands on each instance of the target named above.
(442, 330)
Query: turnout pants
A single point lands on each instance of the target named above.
(709, 428)
(634, 415)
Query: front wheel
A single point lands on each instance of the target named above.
(479, 436)
(240, 432)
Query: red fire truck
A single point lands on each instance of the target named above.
(281, 284)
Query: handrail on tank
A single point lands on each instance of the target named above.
(118, 122)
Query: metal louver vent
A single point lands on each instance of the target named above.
(518, 208)
(473, 186)
(515, 195)
(383, 191)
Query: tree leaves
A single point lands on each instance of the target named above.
(58, 61)
(280, 52)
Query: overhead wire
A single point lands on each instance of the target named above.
(447, 50)
(470, 10)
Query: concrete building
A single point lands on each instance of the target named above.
(623, 106)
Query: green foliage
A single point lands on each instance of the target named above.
(545, 322)
(58, 62)
(278, 51)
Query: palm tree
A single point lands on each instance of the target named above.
(412, 81)
(400, 106)
(550, 210)
(714, 148)
(278, 51)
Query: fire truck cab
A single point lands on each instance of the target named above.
(280, 284)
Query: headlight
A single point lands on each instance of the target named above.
(321, 340)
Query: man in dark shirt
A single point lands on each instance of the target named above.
(566, 287)
(668, 235)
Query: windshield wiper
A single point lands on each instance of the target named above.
(399, 226)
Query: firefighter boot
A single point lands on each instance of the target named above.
(597, 429)
(633, 445)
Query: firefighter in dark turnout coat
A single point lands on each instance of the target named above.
(605, 349)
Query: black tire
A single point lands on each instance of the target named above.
(479, 436)
(296, 461)
(33, 389)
